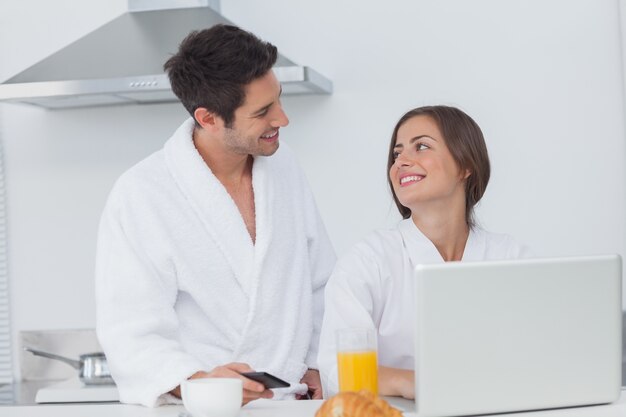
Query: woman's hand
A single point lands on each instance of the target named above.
(396, 382)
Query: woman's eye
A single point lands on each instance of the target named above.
(395, 155)
(422, 146)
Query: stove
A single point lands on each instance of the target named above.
(74, 391)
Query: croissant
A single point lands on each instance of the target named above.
(357, 404)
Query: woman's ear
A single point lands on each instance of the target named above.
(467, 174)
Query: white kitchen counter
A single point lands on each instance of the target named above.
(266, 408)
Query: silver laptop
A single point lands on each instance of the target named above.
(517, 335)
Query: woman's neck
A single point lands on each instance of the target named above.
(445, 228)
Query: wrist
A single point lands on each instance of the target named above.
(199, 374)
(395, 382)
(176, 391)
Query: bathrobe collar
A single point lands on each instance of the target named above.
(206, 194)
(422, 251)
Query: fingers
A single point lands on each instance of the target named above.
(199, 374)
(252, 390)
(239, 367)
(232, 370)
(317, 394)
(253, 395)
(252, 386)
(312, 379)
(312, 394)
(248, 384)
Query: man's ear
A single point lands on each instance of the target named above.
(208, 120)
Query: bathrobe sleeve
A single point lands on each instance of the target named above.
(135, 296)
(352, 297)
(322, 260)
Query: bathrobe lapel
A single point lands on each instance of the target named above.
(263, 197)
(422, 251)
(476, 246)
(207, 195)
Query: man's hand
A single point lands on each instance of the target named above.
(312, 379)
(252, 390)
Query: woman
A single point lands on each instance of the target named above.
(438, 169)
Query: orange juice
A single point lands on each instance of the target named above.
(357, 370)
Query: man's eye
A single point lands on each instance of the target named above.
(263, 113)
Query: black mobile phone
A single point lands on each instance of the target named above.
(269, 380)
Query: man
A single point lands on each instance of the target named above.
(212, 257)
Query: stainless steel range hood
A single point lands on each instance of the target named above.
(121, 62)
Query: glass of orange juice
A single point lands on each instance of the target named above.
(357, 366)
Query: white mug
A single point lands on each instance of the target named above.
(212, 397)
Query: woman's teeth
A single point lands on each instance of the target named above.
(411, 178)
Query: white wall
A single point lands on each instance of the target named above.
(542, 78)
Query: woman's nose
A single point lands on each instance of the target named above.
(402, 160)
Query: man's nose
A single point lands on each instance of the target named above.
(280, 119)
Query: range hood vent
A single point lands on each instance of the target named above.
(121, 62)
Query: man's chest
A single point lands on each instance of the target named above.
(244, 200)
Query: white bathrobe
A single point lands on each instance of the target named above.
(181, 287)
(372, 286)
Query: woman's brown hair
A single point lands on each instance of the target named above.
(466, 144)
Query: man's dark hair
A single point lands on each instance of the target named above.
(212, 66)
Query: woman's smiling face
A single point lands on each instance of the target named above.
(424, 170)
